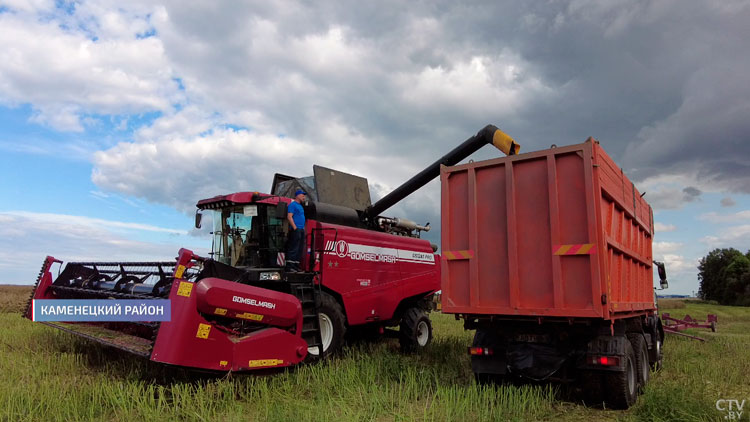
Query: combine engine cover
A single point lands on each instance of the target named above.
(214, 324)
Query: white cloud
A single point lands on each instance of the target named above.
(29, 237)
(678, 266)
(90, 62)
(48, 221)
(663, 228)
(28, 5)
(673, 191)
(735, 237)
(681, 269)
(714, 217)
(468, 87)
(662, 248)
(669, 253)
(178, 171)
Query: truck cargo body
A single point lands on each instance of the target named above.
(548, 255)
(560, 232)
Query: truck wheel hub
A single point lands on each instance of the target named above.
(631, 376)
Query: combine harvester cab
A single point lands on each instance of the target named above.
(214, 323)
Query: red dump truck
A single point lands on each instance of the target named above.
(548, 256)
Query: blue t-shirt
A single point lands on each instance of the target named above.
(298, 214)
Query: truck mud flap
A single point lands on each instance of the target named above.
(534, 361)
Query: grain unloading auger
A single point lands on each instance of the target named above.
(239, 309)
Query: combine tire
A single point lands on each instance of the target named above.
(641, 358)
(416, 330)
(622, 387)
(332, 327)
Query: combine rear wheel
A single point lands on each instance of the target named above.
(332, 327)
(622, 387)
(415, 331)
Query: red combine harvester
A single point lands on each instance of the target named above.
(239, 310)
(548, 256)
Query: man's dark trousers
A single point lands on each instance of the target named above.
(295, 246)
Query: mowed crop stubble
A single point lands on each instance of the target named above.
(50, 375)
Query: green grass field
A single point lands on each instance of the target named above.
(46, 374)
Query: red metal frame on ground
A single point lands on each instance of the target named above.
(675, 325)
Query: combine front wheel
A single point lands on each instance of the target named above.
(332, 327)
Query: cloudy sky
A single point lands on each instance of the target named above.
(116, 117)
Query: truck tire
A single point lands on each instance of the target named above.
(415, 332)
(332, 327)
(622, 387)
(640, 348)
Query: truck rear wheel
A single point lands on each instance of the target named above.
(641, 358)
(332, 327)
(622, 387)
(415, 332)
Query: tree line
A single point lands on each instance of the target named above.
(724, 276)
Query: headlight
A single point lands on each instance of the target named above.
(270, 276)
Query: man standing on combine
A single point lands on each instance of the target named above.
(296, 242)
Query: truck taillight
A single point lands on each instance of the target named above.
(604, 360)
(483, 351)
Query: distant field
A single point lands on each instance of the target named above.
(50, 375)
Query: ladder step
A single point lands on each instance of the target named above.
(308, 297)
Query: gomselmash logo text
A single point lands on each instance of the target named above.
(358, 252)
(253, 302)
